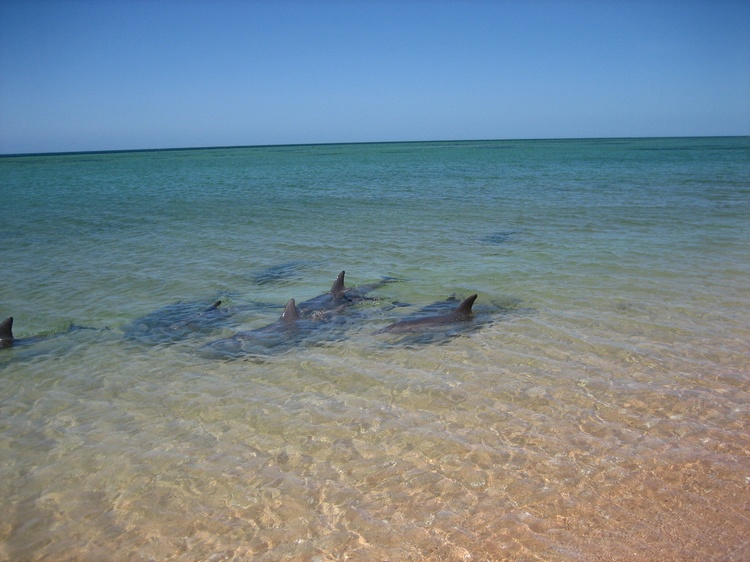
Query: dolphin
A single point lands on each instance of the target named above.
(286, 326)
(7, 339)
(281, 274)
(291, 328)
(177, 321)
(287, 322)
(328, 301)
(462, 313)
(6, 333)
(338, 297)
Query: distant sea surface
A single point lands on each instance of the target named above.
(602, 413)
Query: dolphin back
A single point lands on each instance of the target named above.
(6, 332)
(464, 309)
(290, 312)
(338, 288)
(461, 313)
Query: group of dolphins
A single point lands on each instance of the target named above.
(323, 317)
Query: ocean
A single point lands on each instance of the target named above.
(600, 410)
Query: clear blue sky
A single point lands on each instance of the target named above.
(107, 75)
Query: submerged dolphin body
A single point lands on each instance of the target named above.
(280, 274)
(6, 333)
(462, 313)
(177, 321)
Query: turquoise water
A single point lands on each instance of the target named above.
(603, 413)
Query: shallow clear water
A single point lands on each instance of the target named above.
(603, 414)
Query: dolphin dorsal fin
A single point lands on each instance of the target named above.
(290, 311)
(217, 304)
(338, 286)
(6, 329)
(464, 309)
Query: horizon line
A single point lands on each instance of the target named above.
(280, 145)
